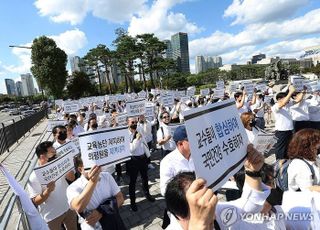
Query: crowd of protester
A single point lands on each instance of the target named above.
(90, 199)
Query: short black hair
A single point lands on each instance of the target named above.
(55, 129)
(281, 95)
(175, 194)
(73, 117)
(237, 94)
(41, 149)
(165, 112)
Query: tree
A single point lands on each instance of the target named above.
(49, 65)
(80, 86)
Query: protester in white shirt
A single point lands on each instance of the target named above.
(51, 199)
(60, 136)
(145, 128)
(92, 124)
(249, 123)
(188, 107)
(314, 109)
(258, 110)
(89, 192)
(304, 170)
(137, 164)
(300, 112)
(175, 111)
(164, 138)
(241, 103)
(76, 127)
(195, 206)
(284, 123)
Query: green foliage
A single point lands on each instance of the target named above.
(49, 65)
(80, 86)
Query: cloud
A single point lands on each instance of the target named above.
(71, 41)
(262, 11)
(256, 34)
(158, 19)
(74, 11)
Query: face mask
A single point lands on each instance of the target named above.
(252, 123)
(62, 136)
(133, 126)
(52, 158)
(94, 126)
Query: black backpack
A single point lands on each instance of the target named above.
(281, 172)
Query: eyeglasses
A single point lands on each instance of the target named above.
(165, 117)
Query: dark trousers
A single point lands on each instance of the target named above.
(260, 122)
(118, 171)
(315, 124)
(281, 147)
(138, 164)
(298, 125)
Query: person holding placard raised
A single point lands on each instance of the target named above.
(51, 199)
(164, 137)
(137, 164)
(241, 103)
(96, 197)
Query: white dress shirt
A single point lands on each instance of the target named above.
(244, 108)
(300, 111)
(258, 105)
(314, 108)
(252, 134)
(105, 188)
(146, 130)
(136, 145)
(300, 175)
(171, 165)
(282, 117)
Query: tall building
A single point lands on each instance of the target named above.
(11, 87)
(180, 51)
(77, 64)
(256, 58)
(205, 63)
(19, 88)
(168, 51)
(27, 84)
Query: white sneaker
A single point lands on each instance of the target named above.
(150, 166)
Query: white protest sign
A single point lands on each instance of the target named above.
(55, 169)
(191, 91)
(121, 119)
(69, 108)
(149, 112)
(104, 147)
(205, 92)
(69, 148)
(261, 87)
(233, 87)
(142, 94)
(76, 142)
(136, 107)
(264, 142)
(59, 102)
(184, 99)
(218, 141)
(248, 87)
(297, 82)
(220, 84)
(218, 93)
(167, 100)
(53, 123)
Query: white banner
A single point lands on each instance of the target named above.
(136, 107)
(69, 108)
(205, 92)
(54, 170)
(297, 82)
(167, 100)
(173, 127)
(69, 148)
(149, 112)
(76, 142)
(121, 119)
(53, 123)
(264, 142)
(220, 84)
(219, 93)
(233, 87)
(104, 147)
(248, 87)
(218, 141)
(191, 91)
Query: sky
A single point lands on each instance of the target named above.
(232, 29)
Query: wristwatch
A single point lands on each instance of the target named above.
(253, 173)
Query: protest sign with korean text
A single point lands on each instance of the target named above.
(220, 84)
(167, 100)
(104, 147)
(218, 141)
(150, 111)
(53, 123)
(218, 93)
(70, 108)
(173, 127)
(54, 170)
(264, 142)
(136, 107)
(68, 147)
(205, 92)
(297, 82)
(121, 119)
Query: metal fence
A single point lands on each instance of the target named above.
(11, 133)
